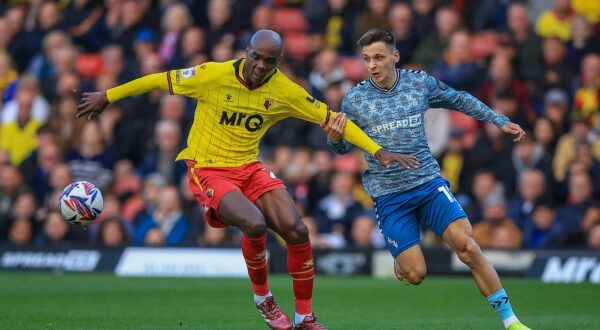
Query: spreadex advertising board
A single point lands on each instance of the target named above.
(67, 260)
(566, 266)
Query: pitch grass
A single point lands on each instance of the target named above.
(103, 301)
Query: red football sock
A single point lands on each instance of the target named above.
(255, 251)
(301, 268)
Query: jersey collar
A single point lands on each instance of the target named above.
(239, 68)
(391, 88)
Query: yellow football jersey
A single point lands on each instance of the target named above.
(231, 118)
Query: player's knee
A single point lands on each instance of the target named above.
(255, 227)
(296, 233)
(469, 252)
(415, 277)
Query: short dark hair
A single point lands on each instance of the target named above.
(375, 35)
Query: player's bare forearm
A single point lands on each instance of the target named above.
(92, 104)
(514, 129)
(386, 158)
(335, 128)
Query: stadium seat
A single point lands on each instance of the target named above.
(354, 68)
(89, 65)
(289, 20)
(296, 45)
(483, 44)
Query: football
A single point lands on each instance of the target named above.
(81, 203)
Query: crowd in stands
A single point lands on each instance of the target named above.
(536, 61)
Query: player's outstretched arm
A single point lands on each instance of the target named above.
(443, 96)
(335, 133)
(92, 104)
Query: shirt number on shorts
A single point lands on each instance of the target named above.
(446, 192)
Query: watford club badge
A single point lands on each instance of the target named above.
(268, 103)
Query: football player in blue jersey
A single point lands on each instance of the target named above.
(389, 107)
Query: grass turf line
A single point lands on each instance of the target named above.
(103, 301)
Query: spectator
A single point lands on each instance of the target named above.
(532, 188)
(168, 218)
(582, 43)
(484, 187)
(24, 207)
(553, 71)
(362, 232)
(556, 106)
(530, 155)
(590, 219)
(565, 150)
(437, 128)
(66, 126)
(556, 22)
(496, 230)
(37, 168)
(528, 45)
(54, 231)
(432, 47)
(154, 237)
(215, 237)
(18, 135)
(318, 185)
(133, 15)
(505, 103)
(400, 20)
(219, 22)
(579, 201)
(493, 151)
(331, 24)
(41, 65)
(262, 19)
(60, 177)
(192, 43)
(501, 78)
(21, 232)
(543, 231)
(114, 63)
(161, 160)
(327, 70)
(586, 103)
(336, 212)
(594, 238)
(457, 67)
(8, 78)
(175, 20)
(145, 43)
(92, 161)
(545, 134)
(83, 20)
(453, 159)
(27, 95)
(112, 233)
(424, 17)
(11, 185)
(373, 16)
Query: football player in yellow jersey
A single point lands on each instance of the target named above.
(237, 102)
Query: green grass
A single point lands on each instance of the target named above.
(103, 301)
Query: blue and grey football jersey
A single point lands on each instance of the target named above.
(394, 119)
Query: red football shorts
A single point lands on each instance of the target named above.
(210, 184)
